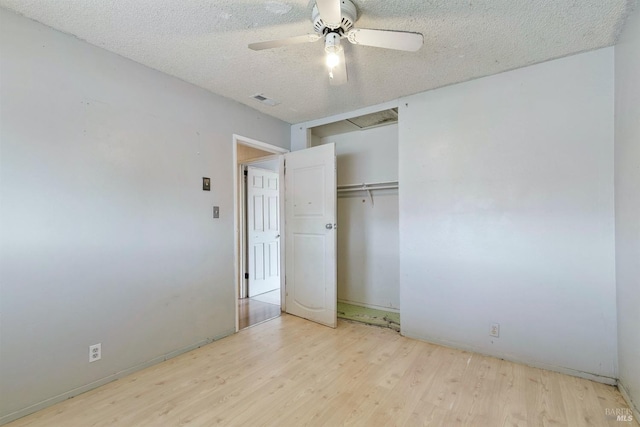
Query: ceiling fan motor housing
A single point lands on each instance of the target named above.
(349, 17)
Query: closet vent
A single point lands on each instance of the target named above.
(378, 118)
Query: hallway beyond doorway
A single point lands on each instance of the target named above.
(258, 309)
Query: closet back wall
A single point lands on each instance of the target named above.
(368, 234)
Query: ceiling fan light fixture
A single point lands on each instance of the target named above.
(332, 60)
(332, 48)
(332, 43)
(334, 20)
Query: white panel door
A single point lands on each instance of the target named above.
(263, 229)
(310, 210)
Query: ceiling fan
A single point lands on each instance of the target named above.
(333, 21)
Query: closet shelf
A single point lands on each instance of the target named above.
(368, 187)
(384, 185)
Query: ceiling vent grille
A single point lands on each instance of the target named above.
(385, 117)
(366, 121)
(263, 99)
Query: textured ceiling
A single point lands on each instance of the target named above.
(204, 42)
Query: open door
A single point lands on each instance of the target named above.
(310, 209)
(263, 230)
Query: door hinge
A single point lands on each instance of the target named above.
(246, 172)
(246, 276)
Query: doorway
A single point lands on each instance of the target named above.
(258, 225)
(310, 211)
(260, 299)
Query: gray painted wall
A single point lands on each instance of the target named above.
(627, 178)
(106, 234)
(507, 215)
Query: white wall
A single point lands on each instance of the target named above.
(627, 179)
(106, 234)
(507, 215)
(368, 260)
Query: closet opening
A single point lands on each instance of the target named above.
(368, 228)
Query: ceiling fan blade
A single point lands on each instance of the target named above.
(398, 40)
(330, 12)
(339, 75)
(307, 38)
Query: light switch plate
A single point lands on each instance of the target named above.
(216, 211)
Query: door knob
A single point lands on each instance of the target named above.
(278, 236)
(329, 226)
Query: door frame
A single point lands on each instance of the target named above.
(238, 215)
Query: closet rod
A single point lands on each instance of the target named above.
(370, 185)
(385, 187)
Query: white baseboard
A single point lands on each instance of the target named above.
(627, 398)
(102, 381)
(516, 359)
(375, 307)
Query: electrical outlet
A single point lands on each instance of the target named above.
(495, 330)
(95, 352)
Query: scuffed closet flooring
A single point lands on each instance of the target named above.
(370, 316)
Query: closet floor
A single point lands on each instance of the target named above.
(369, 316)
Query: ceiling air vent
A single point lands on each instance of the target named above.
(261, 98)
(379, 118)
(366, 121)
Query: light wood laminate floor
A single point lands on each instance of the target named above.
(292, 372)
